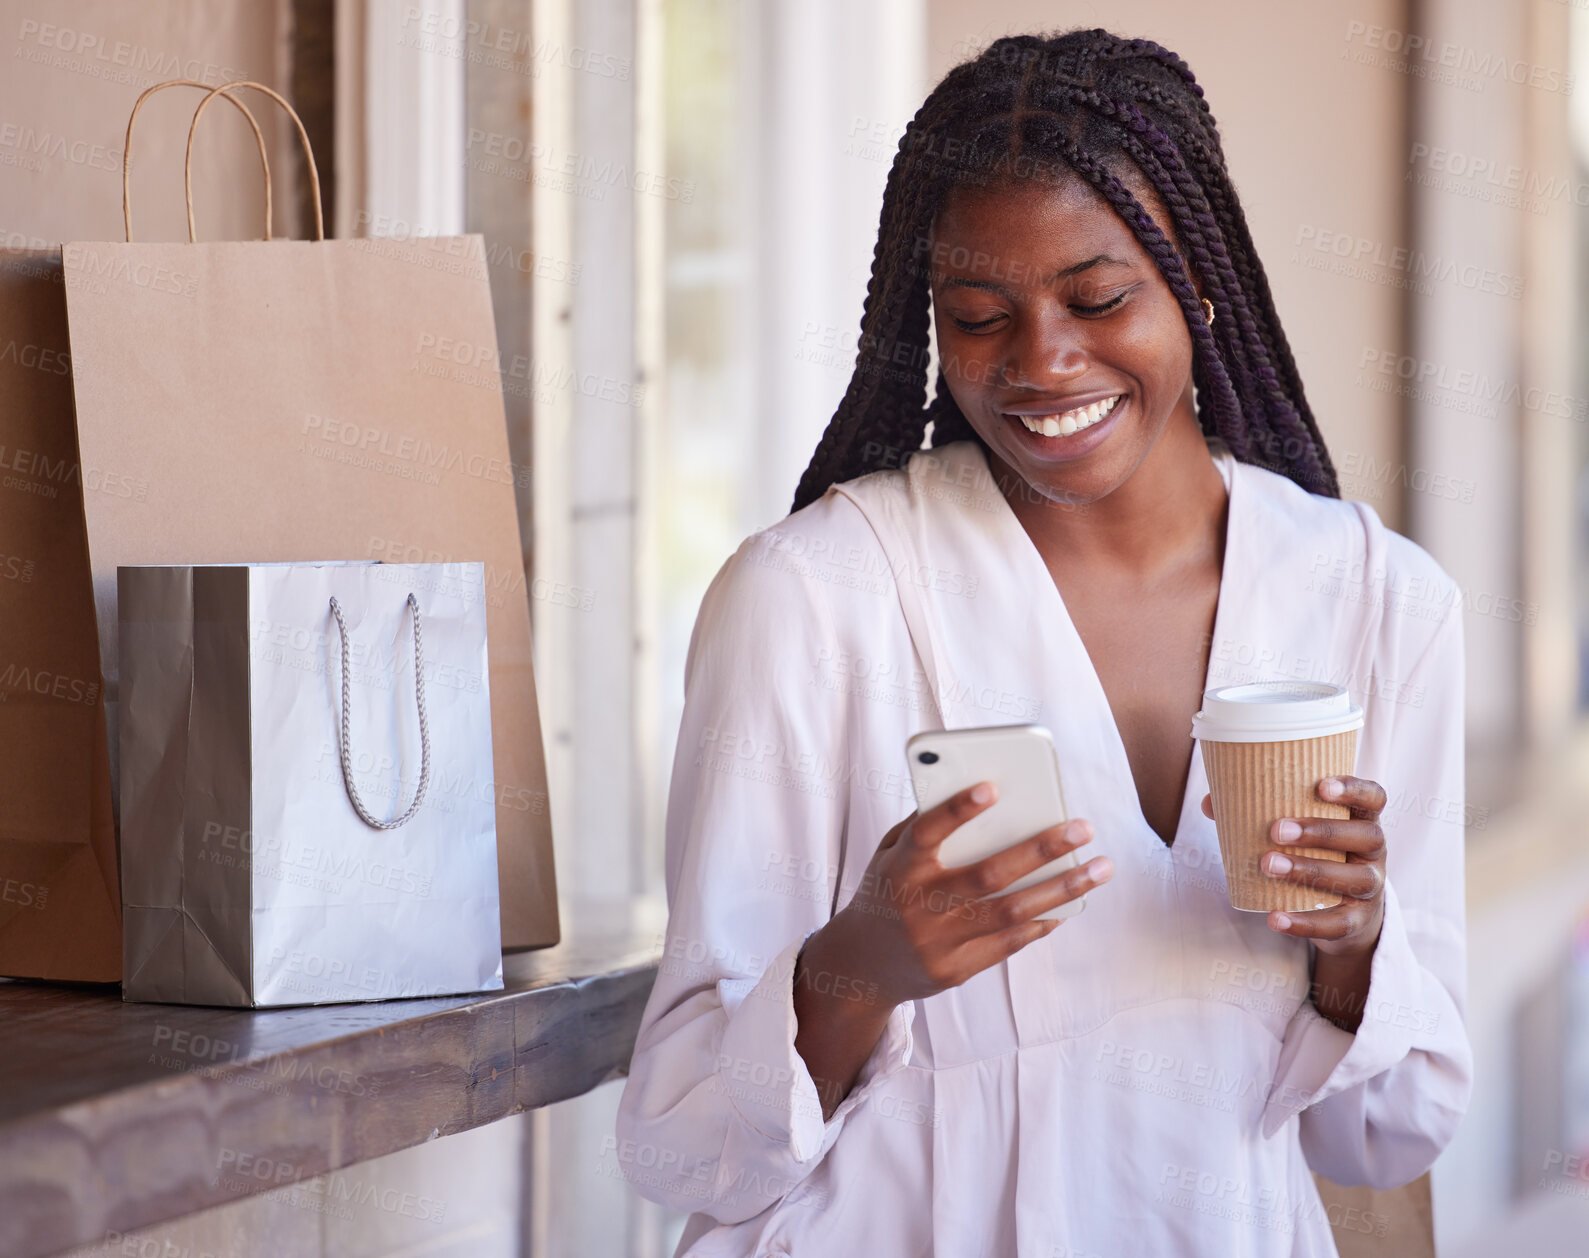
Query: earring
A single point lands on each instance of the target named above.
(1209, 306)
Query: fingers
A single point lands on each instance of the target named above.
(1352, 917)
(989, 950)
(1362, 838)
(892, 837)
(1355, 880)
(1020, 906)
(992, 874)
(932, 827)
(1366, 799)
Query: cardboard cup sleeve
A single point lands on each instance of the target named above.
(1254, 785)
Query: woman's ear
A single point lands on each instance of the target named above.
(1197, 287)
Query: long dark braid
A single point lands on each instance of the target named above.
(1098, 106)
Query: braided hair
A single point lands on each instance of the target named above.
(1100, 107)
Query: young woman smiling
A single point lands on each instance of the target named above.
(852, 1048)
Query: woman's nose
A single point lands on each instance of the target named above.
(1050, 349)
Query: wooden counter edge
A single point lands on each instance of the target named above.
(143, 1155)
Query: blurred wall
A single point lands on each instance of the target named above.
(72, 73)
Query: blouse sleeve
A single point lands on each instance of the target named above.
(720, 1114)
(1378, 1106)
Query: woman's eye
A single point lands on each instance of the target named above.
(1104, 308)
(976, 325)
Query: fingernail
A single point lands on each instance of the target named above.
(981, 793)
(1288, 832)
(1101, 870)
(1331, 787)
(1281, 922)
(1279, 864)
(1081, 831)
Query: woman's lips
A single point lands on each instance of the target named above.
(1046, 435)
(1065, 423)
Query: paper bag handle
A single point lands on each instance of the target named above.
(303, 138)
(126, 153)
(424, 727)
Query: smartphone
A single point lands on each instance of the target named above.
(1022, 762)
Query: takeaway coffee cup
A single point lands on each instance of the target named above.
(1266, 746)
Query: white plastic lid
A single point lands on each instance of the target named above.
(1275, 711)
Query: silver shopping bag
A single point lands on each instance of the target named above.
(307, 805)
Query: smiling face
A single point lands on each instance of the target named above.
(1060, 340)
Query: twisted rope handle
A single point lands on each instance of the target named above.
(424, 726)
(225, 89)
(126, 152)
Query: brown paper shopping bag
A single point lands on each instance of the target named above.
(60, 908)
(60, 913)
(302, 401)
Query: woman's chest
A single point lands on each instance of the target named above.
(1149, 651)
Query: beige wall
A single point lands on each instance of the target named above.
(1315, 145)
(71, 75)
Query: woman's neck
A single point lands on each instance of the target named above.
(1169, 511)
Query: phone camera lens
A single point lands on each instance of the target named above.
(928, 757)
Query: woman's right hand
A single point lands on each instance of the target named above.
(917, 927)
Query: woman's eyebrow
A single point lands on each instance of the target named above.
(1101, 259)
(960, 281)
(990, 286)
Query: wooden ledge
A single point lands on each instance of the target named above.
(117, 1116)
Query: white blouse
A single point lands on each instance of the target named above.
(1152, 1078)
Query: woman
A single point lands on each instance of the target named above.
(852, 1049)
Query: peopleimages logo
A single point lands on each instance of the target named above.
(52, 362)
(1443, 61)
(1359, 257)
(337, 865)
(95, 271)
(249, 1172)
(1481, 394)
(589, 175)
(1363, 473)
(1485, 179)
(15, 568)
(402, 455)
(499, 47)
(66, 48)
(26, 895)
(866, 563)
(34, 145)
(21, 679)
(485, 365)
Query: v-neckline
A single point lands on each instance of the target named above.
(1040, 577)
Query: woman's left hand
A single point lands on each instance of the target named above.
(1350, 928)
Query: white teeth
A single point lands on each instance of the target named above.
(1071, 421)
